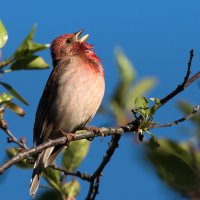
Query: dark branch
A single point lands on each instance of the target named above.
(183, 85)
(83, 176)
(186, 117)
(116, 133)
(96, 176)
(11, 138)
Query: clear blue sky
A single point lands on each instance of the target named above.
(156, 35)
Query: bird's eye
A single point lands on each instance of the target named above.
(69, 41)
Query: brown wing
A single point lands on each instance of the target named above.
(44, 122)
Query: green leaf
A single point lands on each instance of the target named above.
(15, 108)
(118, 112)
(29, 62)
(125, 66)
(4, 97)
(74, 154)
(3, 35)
(53, 177)
(141, 102)
(142, 105)
(14, 92)
(139, 89)
(28, 47)
(49, 195)
(127, 74)
(72, 189)
(22, 164)
(175, 165)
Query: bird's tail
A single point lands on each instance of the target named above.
(39, 165)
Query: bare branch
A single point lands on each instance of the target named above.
(186, 82)
(186, 117)
(11, 138)
(116, 133)
(83, 176)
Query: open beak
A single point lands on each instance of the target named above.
(83, 38)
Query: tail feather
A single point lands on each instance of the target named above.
(39, 165)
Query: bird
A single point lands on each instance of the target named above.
(71, 97)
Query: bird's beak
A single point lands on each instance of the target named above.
(83, 38)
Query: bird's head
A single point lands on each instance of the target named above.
(69, 45)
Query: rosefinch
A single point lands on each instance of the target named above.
(71, 96)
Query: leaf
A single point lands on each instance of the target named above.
(118, 112)
(15, 108)
(4, 97)
(142, 105)
(3, 35)
(153, 143)
(53, 177)
(28, 46)
(141, 102)
(125, 66)
(14, 92)
(29, 62)
(22, 164)
(49, 195)
(175, 165)
(74, 154)
(72, 189)
(127, 74)
(139, 89)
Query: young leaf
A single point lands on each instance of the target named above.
(141, 102)
(53, 177)
(3, 35)
(15, 108)
(28, 46)
(4, 97)
(14, 92)
(139, 89)
(29, 62)
(74, 154)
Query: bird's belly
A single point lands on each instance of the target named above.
(80, 98)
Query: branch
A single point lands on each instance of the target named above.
(186, 82)
(96, 176)
(65, 140)
(83, 176)
(11, 138)
(116, 133)
(186, 117)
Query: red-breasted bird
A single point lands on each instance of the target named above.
(71, 97)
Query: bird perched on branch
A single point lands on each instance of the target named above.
(71, 97)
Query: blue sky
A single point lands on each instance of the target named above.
(156, 35)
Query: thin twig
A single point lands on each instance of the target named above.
(184, 84)
(186, 117)
(11, 138)
(83, 176)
